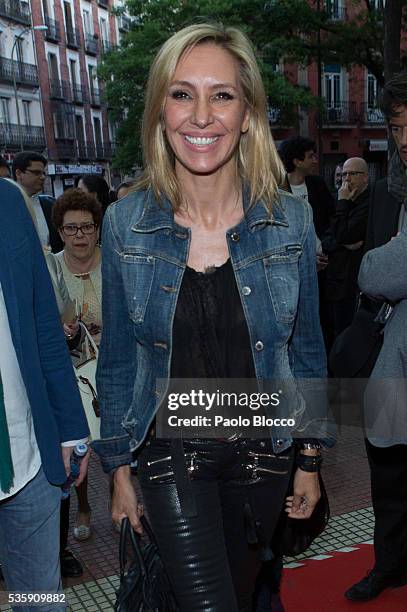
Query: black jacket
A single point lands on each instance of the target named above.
(348, 226)
(322, 203)
(47, 202)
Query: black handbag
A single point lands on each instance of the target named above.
(356, 349)
(297, 535)
(144, 584)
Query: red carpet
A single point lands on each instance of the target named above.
(318, 586)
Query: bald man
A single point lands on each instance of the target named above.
(345, 243)
(355, 178)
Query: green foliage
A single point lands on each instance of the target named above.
(278, 29)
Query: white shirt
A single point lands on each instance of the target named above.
(300, 191)
(42, 227)
(24, 449)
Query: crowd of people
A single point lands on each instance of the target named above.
(224, 259)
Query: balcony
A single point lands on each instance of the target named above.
(95, 96)
(340, 114)
(60, 90)
(372, 116)
(86, 150)
(80, 94)
(103, 3)
(24, 74)
(91, 44)
(73, 39)
(66, 148)
(16, 11)
(124, 23)
(13, 135)
(100, 153)
(53, 33)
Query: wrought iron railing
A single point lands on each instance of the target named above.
(54, 31)
(16, 10)
(372, 115)
(340, 113)
(28, 136)
(23, 73)
(91, 44)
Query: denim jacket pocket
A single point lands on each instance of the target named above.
(283, 281)
(138, 274)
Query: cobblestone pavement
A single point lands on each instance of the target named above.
(346, 476)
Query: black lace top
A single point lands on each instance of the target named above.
(210, 334)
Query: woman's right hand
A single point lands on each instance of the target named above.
(124, 499)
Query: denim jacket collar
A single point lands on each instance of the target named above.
(158, 216)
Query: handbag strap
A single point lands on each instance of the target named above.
(135, 539)
(89, 337)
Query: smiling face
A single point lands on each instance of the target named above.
(81, 246)
(398, 127)
(205, 113)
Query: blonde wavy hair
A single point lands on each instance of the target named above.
(258, 163)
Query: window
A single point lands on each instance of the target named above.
(27, 112)
(372, 91)
(92, 78)
(45, 9)
(80, 134)
(4, 110)
(87, 24)
(68, 16)
(104, 33)
(379, 5)
(72, 70)
(19, 49)
(53, 67)
(335, 9)
(333, 85)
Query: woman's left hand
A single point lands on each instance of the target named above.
(306, 495)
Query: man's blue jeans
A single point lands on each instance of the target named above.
(29, 541)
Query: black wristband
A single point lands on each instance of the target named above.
(309, 463)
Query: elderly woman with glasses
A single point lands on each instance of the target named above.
(76, 272)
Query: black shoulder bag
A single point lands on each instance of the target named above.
(144, 584)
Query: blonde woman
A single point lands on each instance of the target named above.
(208, 272)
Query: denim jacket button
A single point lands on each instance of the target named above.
(235, 237)
(279, 443)
(259, 346)
(246, 290)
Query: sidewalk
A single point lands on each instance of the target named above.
(346, 476)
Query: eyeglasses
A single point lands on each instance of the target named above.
(351, 173)
(36, 172)
(86, 228)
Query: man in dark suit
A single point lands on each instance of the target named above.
(388, 464)
(41, 413)
(344, 243)
(29, 172)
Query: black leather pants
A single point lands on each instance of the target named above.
(239, 488)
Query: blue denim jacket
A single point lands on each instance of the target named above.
(144, 257)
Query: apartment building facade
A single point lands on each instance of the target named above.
(21, 119)
(351, 123)
(50, 98)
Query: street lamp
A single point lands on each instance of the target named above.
(41, 28)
